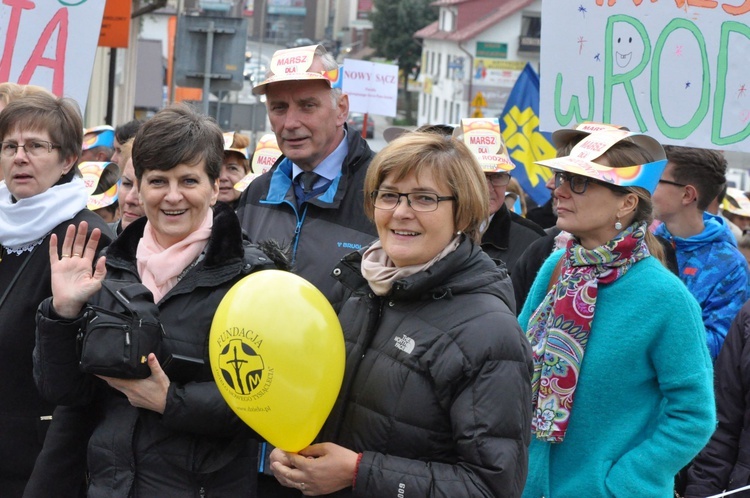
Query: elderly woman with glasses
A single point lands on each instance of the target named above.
(41, 139)
(436, 393)
(622, 386)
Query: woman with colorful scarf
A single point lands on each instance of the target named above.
(622, 384)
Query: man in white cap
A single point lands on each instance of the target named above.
(312, 197)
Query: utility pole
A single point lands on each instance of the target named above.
(172, 84)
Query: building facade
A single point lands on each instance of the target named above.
(472, 56)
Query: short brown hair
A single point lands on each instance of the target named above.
(449, 160)
(704, 169)
(178, 135)
(42, 111)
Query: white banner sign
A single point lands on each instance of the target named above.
(372, 87)
(50, 43)
(675, 69)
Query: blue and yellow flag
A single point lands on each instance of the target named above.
(526, 144)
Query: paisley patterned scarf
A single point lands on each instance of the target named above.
(559, 328)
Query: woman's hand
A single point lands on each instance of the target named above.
(319, 469)
(149, 393)
(72, 280)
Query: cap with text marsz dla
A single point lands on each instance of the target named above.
(293, 64)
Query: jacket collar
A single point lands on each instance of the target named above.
(281, 186)
(498, 232)
(466, 270)
(224, 245)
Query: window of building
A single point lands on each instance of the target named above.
(447, 20)
(531, 33)
(531, 24)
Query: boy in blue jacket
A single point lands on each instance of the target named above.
(710, 264)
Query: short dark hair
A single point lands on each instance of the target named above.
(126, 131)
(59, 117)
(178, 135)
(704, 169)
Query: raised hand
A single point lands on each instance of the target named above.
(73, 281)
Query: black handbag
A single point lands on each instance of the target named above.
(116, 342)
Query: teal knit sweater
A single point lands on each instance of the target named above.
(644, 403)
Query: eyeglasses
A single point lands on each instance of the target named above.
(35, 148)
(423, 202)
(498, 179)
(579, 183)
(670, 182)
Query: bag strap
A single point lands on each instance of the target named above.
(18, 274)
(134, 297)
(555, 274)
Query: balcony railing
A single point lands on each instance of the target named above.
(529, 44)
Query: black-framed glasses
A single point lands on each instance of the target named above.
(670, 182)
(33, 148)
(423, 202)
(579, 183)
(498, 179)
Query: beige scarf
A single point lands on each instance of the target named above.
(380, 271)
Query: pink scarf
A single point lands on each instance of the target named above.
(380, 271)
(160, 267)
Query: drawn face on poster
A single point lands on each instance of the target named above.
(677, 74)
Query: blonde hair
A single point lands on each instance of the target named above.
(449, 161)
(240, 142)
(12, 91)
(126, 152)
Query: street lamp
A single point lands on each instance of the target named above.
(262, 33)
(172, 84)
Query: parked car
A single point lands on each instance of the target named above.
(355, 123)
(300, 42)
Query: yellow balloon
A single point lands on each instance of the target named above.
(277, 355)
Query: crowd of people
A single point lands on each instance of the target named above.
(600, 352)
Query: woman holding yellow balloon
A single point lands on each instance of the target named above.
(437, 386)
(171, 433)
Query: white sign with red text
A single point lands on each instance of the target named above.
(50, 43)
(372, 87)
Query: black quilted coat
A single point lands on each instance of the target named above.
(437, 389)
(198, 447)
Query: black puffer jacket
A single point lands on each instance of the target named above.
(198, 447)
(508, 236)
(437, 387)
(25, 416)
(724, 464)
